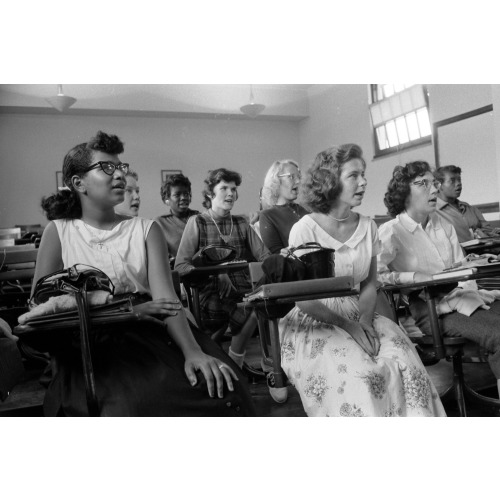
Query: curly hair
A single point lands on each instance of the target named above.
(213, 178)
(271, 188)
(399, 189)
(440, 172)
(171, 181)
(322, 185)
(66, 204)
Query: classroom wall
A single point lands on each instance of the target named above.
(33, 147)
(339, 114)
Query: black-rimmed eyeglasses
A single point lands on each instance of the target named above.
(109, 167)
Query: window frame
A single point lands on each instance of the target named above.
(373, 91)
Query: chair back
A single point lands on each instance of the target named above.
(17, 269)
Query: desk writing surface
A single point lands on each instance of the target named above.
(433, 283)
(203, 272)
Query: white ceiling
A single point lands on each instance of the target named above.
(282, 101)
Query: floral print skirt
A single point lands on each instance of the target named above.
(335, 377)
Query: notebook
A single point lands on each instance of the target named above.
(290, 288)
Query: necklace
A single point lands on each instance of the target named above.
(339, 220)
(100, 243)
(225, 238)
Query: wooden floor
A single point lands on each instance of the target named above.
(27, 397)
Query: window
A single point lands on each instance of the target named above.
(400, 116)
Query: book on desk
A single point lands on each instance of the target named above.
(486, 241)
(291, 288)
(462, 272)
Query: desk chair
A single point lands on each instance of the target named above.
(17, 268)
(269, 345)
(449, 348)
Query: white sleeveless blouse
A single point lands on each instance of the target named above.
(120, 253)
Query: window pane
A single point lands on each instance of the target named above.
(411, 121)
(423, 122)
(388, 89)
(380, 93)
(382, 138)
(402, 130)
(392, 134)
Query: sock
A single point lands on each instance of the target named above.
(237, 358)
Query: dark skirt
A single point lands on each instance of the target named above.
(139, 371)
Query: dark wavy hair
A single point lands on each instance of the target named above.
(171, 181)
(322, 185)
(398, 189)
(213, 178)
(66, 204)
(440, 172)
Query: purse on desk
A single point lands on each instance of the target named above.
(213, 255)
(46, 331)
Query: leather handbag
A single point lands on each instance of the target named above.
(213, 255)
(319, 262)
(50, 329)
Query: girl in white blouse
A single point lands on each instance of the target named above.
(418, 243)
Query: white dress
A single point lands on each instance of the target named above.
(332, 374)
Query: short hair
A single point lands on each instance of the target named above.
(213, 178)
(322, 185)
(441, 172)
(133, 174)
(171, 181)
(66, 203)
(399, 189)
(271, 187)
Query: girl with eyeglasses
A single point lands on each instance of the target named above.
(418, 243)
(140, 369)
(280, 190)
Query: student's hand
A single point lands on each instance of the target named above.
(225, 286)
(357, 332)
(159, 307)
(371, 334)
(212, 368)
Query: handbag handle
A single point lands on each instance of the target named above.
(311, 245)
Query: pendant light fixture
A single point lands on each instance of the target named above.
(251, 109)
(61, 102)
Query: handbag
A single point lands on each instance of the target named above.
(319, 262)
(45, 332)
(213, 255)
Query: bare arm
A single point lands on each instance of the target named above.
(160, 282)
(49, 257)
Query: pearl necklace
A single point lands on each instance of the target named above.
(339, 220)
(225, 238)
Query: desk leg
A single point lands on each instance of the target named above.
(278, 373)
(196, 306)
(433, 317)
